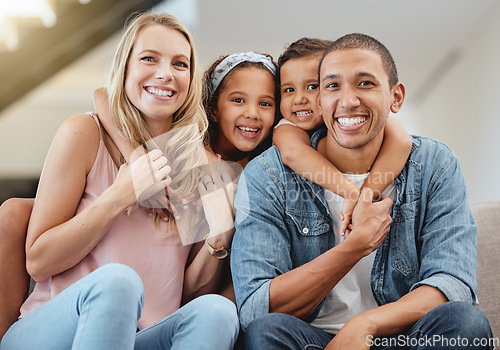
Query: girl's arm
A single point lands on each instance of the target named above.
(391, 158)
(156, 204)
(204, 273)
(102, 109)
(296, 152)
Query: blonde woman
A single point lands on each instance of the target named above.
(103, 267)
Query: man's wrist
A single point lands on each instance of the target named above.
(365, 324)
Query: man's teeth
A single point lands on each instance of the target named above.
(247, 129)
(303, 114)
(351, 121)
(160, 92)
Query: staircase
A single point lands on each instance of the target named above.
(39, 48)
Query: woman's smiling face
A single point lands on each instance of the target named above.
(158, 74)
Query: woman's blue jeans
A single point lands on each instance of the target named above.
(101, 310)
(452, 325)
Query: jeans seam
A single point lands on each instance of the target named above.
(415, 332)
(88, 303)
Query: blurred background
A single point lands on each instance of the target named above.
(54, 53)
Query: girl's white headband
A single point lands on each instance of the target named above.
(233, 60)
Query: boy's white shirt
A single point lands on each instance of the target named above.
(284, 121)
(352, 295)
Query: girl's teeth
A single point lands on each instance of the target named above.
(244, 128)
(350, 121)
(303, 114)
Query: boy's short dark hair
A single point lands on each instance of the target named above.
(366, 42)
(303, 47)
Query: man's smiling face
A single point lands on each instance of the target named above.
(355, 96)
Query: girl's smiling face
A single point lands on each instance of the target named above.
(158, 74)
(245, 111)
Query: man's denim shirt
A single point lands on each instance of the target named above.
(283, 221)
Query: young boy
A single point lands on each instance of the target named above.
(298, 76)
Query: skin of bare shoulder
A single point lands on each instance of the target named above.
(70, 158)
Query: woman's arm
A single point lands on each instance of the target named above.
(57, 238)
(391, 158)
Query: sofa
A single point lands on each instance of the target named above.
(487, 215)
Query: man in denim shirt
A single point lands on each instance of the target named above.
(299, 284)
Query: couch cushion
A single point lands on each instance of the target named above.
(487, 215)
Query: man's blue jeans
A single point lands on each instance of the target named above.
(453, 325)
(101, 310)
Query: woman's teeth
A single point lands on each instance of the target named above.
(160, 92)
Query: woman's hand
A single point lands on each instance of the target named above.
(144, 178)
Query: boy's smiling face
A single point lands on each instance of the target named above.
(299, 92)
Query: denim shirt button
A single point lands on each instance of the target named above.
(305, 230)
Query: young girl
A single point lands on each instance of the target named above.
(103, 267)
(239, 97)
(298, 74)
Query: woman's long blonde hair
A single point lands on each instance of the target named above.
(189, 123)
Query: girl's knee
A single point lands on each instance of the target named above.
(14, 216)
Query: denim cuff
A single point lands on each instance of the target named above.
(256, 305)
(453, 288)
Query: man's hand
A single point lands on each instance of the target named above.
(371, 221)
(354, 335)
(346, 215)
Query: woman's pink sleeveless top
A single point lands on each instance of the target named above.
(133, 240)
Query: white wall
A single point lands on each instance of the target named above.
(460, 110)
(463, 111)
